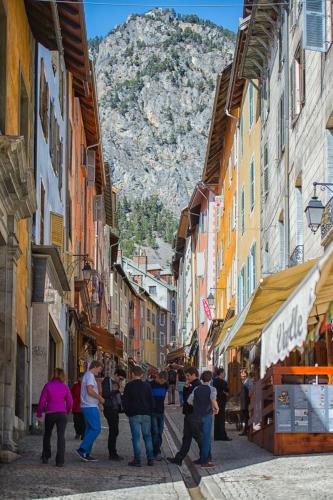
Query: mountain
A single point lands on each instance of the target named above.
(156, 77)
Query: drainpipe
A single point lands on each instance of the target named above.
(286, 160)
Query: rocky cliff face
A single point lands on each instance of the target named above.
(156, 77)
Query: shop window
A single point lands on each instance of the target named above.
(3, 67)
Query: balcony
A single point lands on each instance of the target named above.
(327, 224)
(297, 257)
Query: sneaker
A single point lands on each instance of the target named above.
(173, 461)
(158, 457)
(197, 462)
(209, 465)
(59, 465)
(150, 462)
(115, 457)
(89, 458)
(134, 463)
(82, 455)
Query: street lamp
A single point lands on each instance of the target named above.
(87, 271)
(314, 210)
(211, 300)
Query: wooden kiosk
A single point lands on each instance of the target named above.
(291, 410)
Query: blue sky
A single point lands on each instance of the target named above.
(101, 18)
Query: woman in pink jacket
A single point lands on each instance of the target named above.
(55, 401)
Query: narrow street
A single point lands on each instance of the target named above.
(243, 471)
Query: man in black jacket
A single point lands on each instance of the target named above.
(138, 405)
(111, 410)
(244, 397)
(222, 395)
(192, 427)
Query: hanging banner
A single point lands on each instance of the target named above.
(288, 328)
(206, 309)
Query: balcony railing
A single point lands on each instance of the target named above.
(327, 223)
(297, 257)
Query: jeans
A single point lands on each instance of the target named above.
(60, 420)
(93, 428)
(192, 429)
(205, 453)
(171, 394)
(79, 425)
(157, 425)
(141, 424)
(113, 422)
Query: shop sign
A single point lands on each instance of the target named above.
(206, 309)
(288, 328)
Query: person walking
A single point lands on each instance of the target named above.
(246, 385)
(112, 407)
(172, 377)
(56, 402)
(138, 405)
(222, 389)
(192, 428)
(78, 418)
(203, 399)
(159, 389)
(180, 382)
(90, 401)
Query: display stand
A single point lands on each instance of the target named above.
(293, 398)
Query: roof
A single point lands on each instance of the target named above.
(237, 84)
(179, 243)
(121, 271)
(264, 16)
(216, 138)
(150, 276)
(44, 32)
(152, 267)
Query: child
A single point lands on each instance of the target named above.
(159, 388)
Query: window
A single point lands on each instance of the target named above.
(162, 319)
(281, 127)
(24, 113)
(153, 337)
(314, 32)
(241, 290)
(44, 101)
(148, 333)
(152, 290)
(282, 243)
(3, 67)
(153, 318)
(162, 339)
(234, 211)
(162, 359)
(241, 140)
(234, 276)
(57, 230)
(229, 227)
(242, 211)
(251, 105)
(299, 215)
(252, 270)
(252, 193)
(297, 83)
(173, 331)
(173, 306)
(265, 171)
(148, 314)
(42, 214)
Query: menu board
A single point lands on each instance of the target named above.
(304, 408)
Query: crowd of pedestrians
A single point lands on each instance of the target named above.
(143, 402)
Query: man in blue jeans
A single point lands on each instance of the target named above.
(203, 399)
(138, 406)
(159, 388)
(90, 401)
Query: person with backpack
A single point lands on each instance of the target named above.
(112, 408)
(172, 379)
(159, 388)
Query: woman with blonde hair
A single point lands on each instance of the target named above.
(56, 402)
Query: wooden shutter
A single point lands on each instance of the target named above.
(242, 211)
(91, 165)
(57, 230)
(252, 184)
(314, 31)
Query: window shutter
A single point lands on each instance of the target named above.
(282, 244)
(243, 212)
(248, 285)
(83, 156)
(314, 31)
(251, 114)
(302, 76)
(57, 230)
(329, 158)
(266, 173)
(299, 216)
(91, 165)
(253, 252)
(99, 208)
(252, 183)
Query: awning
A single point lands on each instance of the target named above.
(271, 293)
(224, 330)
(105, 340)
(172, 356)
(288, 328)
